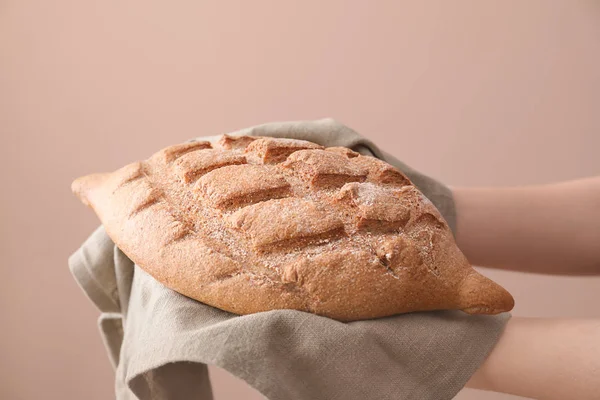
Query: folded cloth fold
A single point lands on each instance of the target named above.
(160, 342)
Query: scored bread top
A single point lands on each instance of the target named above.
(252, 224)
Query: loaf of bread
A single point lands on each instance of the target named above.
(250, 224)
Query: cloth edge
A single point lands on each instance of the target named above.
(457, 378)
(89, 286)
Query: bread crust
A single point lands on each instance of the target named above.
(251, 224)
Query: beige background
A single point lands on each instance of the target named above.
(456, 89)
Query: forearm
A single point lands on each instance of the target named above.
(544, 229)
(544, 359)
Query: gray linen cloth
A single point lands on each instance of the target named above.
(160, 342)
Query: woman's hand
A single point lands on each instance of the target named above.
(544, 358)
(550, 229)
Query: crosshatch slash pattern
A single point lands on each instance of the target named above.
(250, 224)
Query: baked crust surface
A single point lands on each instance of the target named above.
(251, 224)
